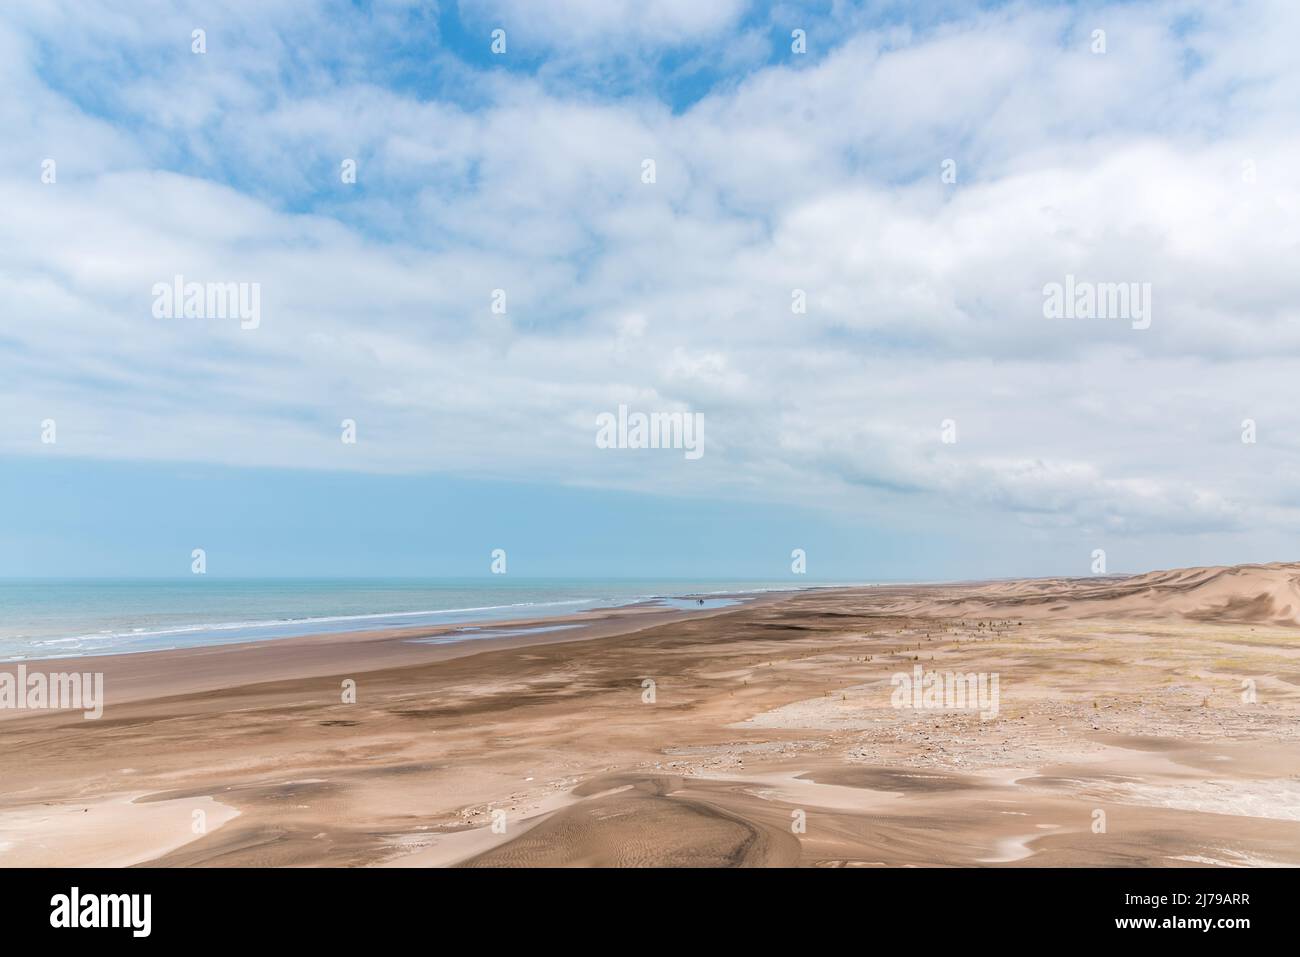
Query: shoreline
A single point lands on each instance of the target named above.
(150, 674)
(215, 634)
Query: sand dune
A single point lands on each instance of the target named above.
(1265, 594)
(1143, 721)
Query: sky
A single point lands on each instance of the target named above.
(840, 264)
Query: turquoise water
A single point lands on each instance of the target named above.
(58, 618)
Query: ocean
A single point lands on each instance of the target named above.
(54, 618)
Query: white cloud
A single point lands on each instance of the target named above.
(924, 298)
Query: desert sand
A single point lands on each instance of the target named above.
(1144, 721)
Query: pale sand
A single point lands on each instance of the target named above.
(771, 740)
(107, 832)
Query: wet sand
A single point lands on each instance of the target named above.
(1144, 723)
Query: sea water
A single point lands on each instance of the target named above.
(49, 618)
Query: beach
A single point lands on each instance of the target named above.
(1147, 721)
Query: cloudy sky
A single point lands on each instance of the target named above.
(919, 175)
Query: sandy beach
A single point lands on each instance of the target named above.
(1146, 721)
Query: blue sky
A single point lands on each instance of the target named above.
(1164, 157)
(144, 519)
(134, 519)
